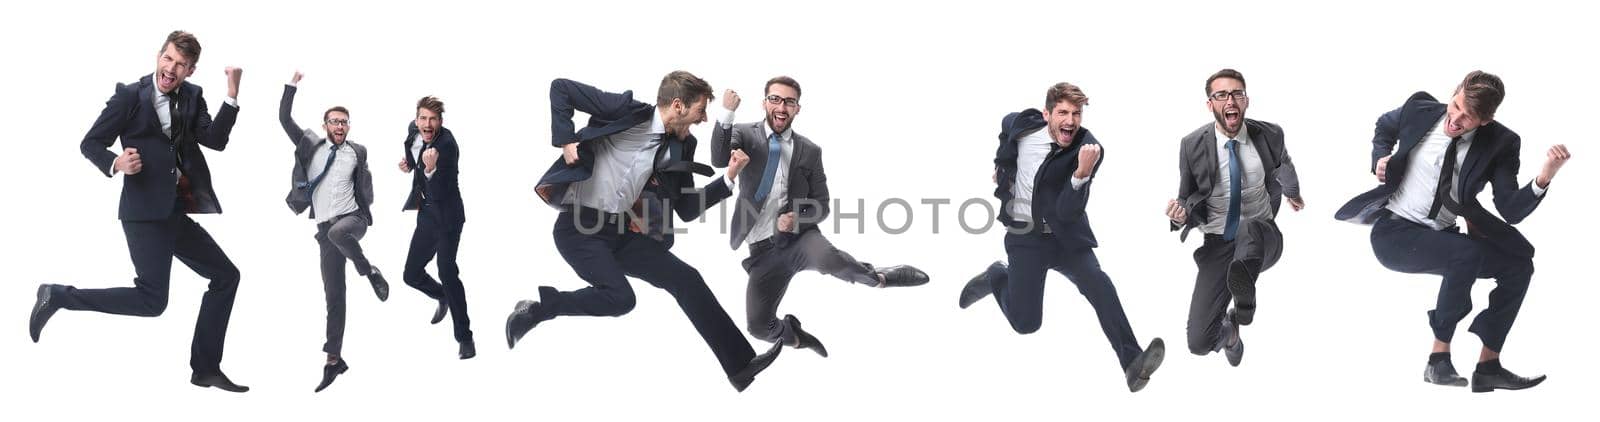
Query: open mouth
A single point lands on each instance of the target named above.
(167, 79)
(1231, 117)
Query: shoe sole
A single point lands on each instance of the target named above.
(1151, 364)
(1478, 389)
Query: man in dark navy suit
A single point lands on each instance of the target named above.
(1044, 166)
(618, 184)
(1432, 160)
(433, 159)
(162, 121)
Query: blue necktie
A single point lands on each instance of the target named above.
(1232, 226)
(332, 153)
(774, 153)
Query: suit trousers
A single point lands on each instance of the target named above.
(1019, 288)
(1412, 248)
(1255, 248)
(152, 245)
(771, 268)
(338, 241)
(607, 256)
(436, 238)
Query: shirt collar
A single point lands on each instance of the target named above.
(657, 127)
(1243, 137)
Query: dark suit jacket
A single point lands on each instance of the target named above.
(1055, 203)
(1197, 170)
(306, 144)
(1493, 158)
(671, 186)
(442, 191)
(130, 115)
(806, 195)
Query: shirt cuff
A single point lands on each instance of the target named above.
(428, 174)
(728, 178)
(1078, 183)
(1537, 191)
(113, 170)
(231, 101)
(726, 119)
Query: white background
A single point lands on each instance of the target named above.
(905, 100)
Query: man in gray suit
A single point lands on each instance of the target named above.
(1233, 174)
(331, 179)
(783, 193)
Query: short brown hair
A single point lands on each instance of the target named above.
(1483, 92)
(431, 103)
(340, 109)
(187, 45)
(785, 81)
(681, 85)
(1064, 92)
(1225, 73)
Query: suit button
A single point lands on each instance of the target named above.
(173, 171)
(172, 148)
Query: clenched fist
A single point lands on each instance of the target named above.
(1088, 156)
(128, 163)
(569, 153)
(786, 222)
(1176, 212)
(736, 162)
(1557, 157)
(404, 166)
(430, 159)
(730, 100)
(234, 74)
(1383, 169)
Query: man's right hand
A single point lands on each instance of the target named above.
(296, 80)
(736, 162)
(730, 100)
(404, 167)
(569, 153)
(1176, 213)
(1383, 169)
(128, 163)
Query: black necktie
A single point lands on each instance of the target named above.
(174, 126)
(1447, 175)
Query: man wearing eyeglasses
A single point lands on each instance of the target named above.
(1044, 167)
(783, 194)
(618, 183)
(162, 122)
(332, 180)
(1432, 160)
(1232, 175)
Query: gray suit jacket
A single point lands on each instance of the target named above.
(1197, 170)
(306, 144)
(808, 185)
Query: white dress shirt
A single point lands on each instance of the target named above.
(1253, 198)
(335, 194)
(1414, 197)
(623, 163)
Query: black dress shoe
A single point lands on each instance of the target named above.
(520, 321)
(217, 380)
(978, 287)
(1443, 373)
(331, 371)
(43, 308)
(468, 350)
(902, 276)
(379, 285)
(1501, 380)
(744, 377)
(1146, 363)
(1242, 284)
(1230, 330)
(438, 314)
(801, 339)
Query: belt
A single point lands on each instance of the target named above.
(610, 218)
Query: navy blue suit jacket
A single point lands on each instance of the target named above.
(671, 187)
(1055, 203)
(1493, 158)
(131, 116)
(442, 190)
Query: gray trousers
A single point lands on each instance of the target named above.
(1255, 248)
(772, 267)
(338, 240)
